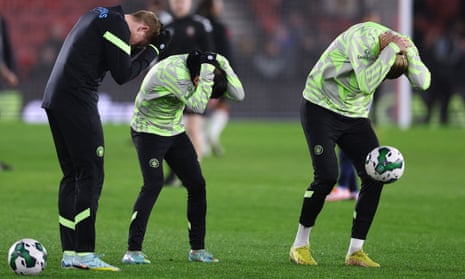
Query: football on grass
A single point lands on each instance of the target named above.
(385, 164)
(27, 257)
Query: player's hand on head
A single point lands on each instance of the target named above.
(401, 42)
(385, 39)
(390, 37)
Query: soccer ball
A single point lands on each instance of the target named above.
(27, 257)
(385, 164)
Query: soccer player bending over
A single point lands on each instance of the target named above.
(99, 42)
(334, 111)
(175, 83)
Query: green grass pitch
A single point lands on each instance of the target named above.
(254, 196)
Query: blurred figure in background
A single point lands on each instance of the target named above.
(439, 30)
(189, 32)
(346, 188)
(160, 9)
(46, 57)
(7, 68)
(270, 60)
(7, 59)
(446, 59)
(218, 109)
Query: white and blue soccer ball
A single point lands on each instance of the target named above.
(27, 256)
(385, 164)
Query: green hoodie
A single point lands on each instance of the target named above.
(352, 68)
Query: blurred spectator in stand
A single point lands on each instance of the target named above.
(267, 14)
(56, 37)
(7, 59)
(160, 9)
(270, 60)
(189, 32)
(446, 54)
(245, 46)
(277, 58)
(218, 109)
(40, 71)
(461, 63)
(306, 40)
(34, 84)
(439, 29)
(7, 68)
(36, 81)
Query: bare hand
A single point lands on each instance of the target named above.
(11, 79)
(7, 75)
(388, 37)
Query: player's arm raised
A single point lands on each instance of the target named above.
(118, 56)
(235, 89)
(369, 71)
(122, 66)
(418, 74)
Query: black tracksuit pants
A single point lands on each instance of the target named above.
(324, 130)
(78, 139)
(181, 157)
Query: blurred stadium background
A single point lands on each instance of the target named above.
(276, 42)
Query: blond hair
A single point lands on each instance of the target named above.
(151, 20)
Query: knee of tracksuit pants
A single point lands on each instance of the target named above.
(322, 187)
(196, 188)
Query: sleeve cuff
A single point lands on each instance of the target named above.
(395, 47)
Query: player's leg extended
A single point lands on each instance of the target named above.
(182, 158)
(151, 150)
(356, 146)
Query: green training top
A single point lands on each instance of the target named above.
(167, 89)
(352, 67)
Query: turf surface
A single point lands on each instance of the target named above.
(254, 197)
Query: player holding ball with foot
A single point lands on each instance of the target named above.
(336, 103)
